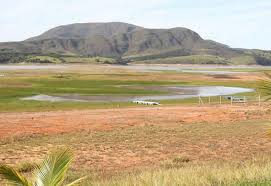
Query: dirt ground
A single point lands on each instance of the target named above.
(23, 124)
(125, 138)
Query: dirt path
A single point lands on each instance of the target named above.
(18, 124)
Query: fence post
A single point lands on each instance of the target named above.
(209, 100)
(231, 100)
(220, 100)
(200, 101)
(259, 99)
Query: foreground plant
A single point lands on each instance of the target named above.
(51, 172)
(265, 86)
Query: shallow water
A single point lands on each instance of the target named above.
(42, 97)
(205, 69)
(31, 67)
(198, 91)
(174, 93)
(212, 72)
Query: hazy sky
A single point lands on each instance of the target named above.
(238, 23)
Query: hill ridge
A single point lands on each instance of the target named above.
(123, 40)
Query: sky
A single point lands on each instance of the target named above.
(237, 23)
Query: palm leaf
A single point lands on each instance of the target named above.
(76, 182)
(52, 170)
(13, 176)
(265, 86)
(267, 75)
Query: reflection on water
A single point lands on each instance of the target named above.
(174, 93)
(198, 91)
(31, 67)
(205, 69)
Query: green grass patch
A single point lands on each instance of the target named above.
(193, 59)
(19, 84)
(78, 59)
(42, 59)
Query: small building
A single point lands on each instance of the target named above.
(236, 99)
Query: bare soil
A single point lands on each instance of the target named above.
(16, 124)
(112, 140)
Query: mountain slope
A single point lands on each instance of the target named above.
(86, 30)
(122, 40)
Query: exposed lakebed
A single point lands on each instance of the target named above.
(173, 92)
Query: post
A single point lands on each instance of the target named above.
(245, 101)
(200, 101)
(259, 100)
(220, 100)
(209, 100)
(231, 100)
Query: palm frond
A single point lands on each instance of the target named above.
(52, 171)
(13, 176)
(265, 86)
(76, 182)
(267, 75)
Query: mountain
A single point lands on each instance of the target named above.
(87, 30)
(127, 41)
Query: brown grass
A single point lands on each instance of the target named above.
(23, 124)
(126, 139)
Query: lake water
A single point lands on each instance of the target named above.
(174, 93)
(190, 92)
(31, 67)
(206, 69)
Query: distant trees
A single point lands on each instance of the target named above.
(29, 58)
(261, 60)
(11, 57)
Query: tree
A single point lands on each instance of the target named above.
(262, 60)
(51, 172)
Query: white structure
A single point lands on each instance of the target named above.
(146, 103)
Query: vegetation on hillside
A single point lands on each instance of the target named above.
(194, 59)
(128, 43)
(246, 59)
(52, 58)
(249, 59)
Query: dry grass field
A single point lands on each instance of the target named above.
(177, 143)
(117, 141)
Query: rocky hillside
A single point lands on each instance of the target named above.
(125, 41)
